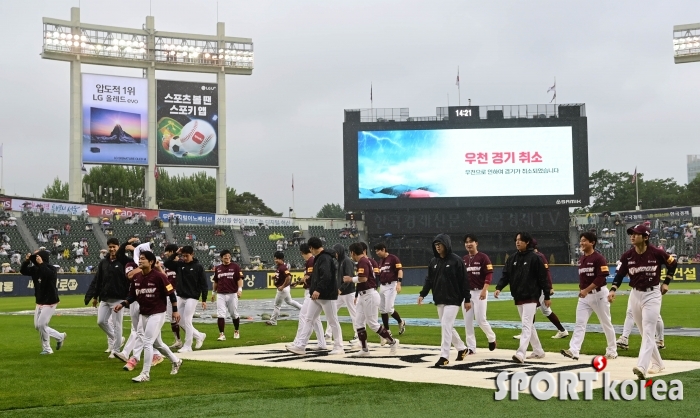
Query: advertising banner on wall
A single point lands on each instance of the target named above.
(188, 127)
(115, 120)
(120, 211)
(57, 208)
(6, 203)
(192, 218)
(245, 220)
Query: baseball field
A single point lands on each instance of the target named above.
(79, 380)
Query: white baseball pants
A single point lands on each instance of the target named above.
(450, 336)
(387, 298)
(593, 302)
(478, 312)
(316, 324)
(227, 303)
(135, 341)
(646, 307)
(629, 323)
(313, 314)
(284, 295)
(367, 313)
(347, 301)
(150, 326)
(105, 310)
(186, 308)
(529, 334)
(42, 316)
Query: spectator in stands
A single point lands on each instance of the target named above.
(66, 228)
(15, 258)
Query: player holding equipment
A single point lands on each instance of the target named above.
(228, 287)
(593, 297)
(43, 276)
(368, 301)
(390, 276)
(282, 280)
(643, 265)
(447, 280)
(479, 274)
(152, 289)
(524, 271)
(303, 313)
(191, 284)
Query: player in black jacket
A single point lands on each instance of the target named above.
(447, 279)
(525, 272)
(43, 277)
(191, 284)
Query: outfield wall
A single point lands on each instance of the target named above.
(77, 284)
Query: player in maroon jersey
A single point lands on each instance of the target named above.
(171, 249)
(593, 297)
(368, 301)
(390, 276)
(152, 290)
(317, 325)
(643, 264)
(479, 274)
(282, 281)
(228, 287)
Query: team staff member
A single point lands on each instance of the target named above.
(643, 264)
(368, 301)
(346, 291)
(151, 289)
(43, 276)
(228, 287)
(479, 275)
(447, 280)
(323, 287)
(303, 313)
(527, 277)
(390, 276)
(283, 278)
(191, 284)
(593, 297)
(169, 250)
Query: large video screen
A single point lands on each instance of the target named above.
(465, 163)
(483, 163)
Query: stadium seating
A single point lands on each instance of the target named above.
(16, 244)
(188, 234)
(42, 223)
(261, 245)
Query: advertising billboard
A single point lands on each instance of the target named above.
(115, 120)
(187, 126)
(483, 163)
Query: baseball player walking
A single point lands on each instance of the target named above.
(643, 265)
(368, 301)
(346, 291)
(527, 277)
(303, 313)
(282, 281)
(390, 277)
(623, 341)
(228, 287)
(169, 250)
(593, 297)
(479, 274)
(43, 276)
(447, 280)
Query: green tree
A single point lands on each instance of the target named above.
(57, 190)
(331, 210)
(615, 192)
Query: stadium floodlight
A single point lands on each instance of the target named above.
(686, 45)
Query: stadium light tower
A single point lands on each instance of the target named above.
(84, 43)
(686, 43)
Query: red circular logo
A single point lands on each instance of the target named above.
(599, 363)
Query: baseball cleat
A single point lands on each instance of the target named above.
(492, 346)
(660, 345)
(394, 346)
(156, 360)
(561, 334)
(45, 352)
(622, 343)
(236, 335)
(121, 356)
(355, 343)
(319, 347)
(654, 369)
(442, 362)
(199, 341)
(131, 364)
(461, 354)
(470, 352)
(383, 341)
(362, 353)
(516, 337)
(327, 336)
(185, 350)
(336, 352)
(176, 367)
(296, 350)
(176, 345)
(59, 344)
(141, 378)
(111, 354)
(536, 356)
(517, 359)
(222, 337)
(402, 327)
(611, 356)
(109, 349)
(639, 372)
(569, 354)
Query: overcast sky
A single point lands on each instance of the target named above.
(315, 58)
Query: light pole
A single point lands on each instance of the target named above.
(686, 43)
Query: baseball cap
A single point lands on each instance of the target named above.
(638, 229)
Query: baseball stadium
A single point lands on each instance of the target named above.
(477, 265)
